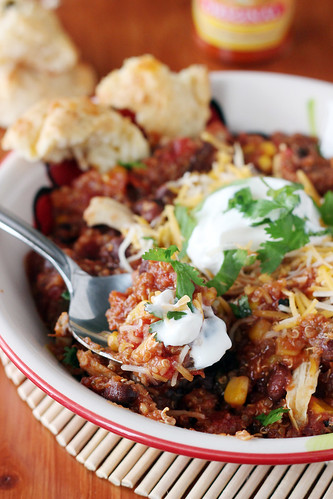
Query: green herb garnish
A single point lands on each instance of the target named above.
(283, 202)
(154, 329)
(172, 314)
(133, 165)
(234, 261)
(175, 314)
(242, 308)
(186, 223)
(287, 231)
(326, 209)
(70, 357)
(65, 295)
(187, 276)
(272, 417)
(288, 234)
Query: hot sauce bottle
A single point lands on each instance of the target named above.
(243, 30)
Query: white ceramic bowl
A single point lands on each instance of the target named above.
(252, 101)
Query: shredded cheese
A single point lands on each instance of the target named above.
(308, 185)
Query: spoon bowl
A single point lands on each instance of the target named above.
(88, 294)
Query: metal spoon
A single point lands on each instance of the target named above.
(88, 295)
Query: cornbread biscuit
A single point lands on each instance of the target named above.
(76, 128)
(171, 104)
(32, 36)
(21, 87)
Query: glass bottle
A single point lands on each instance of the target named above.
(243, 30)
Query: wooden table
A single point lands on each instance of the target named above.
(32, 464)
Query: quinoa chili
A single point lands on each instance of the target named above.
(280, 322)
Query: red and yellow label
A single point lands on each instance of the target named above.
(243, 25)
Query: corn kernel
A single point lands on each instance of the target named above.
(137, 312)
(236, 391)
(265, 163)
(267, 147)
(319, 406)
(113, 341)
(285, 347)
(265, 278)
(259, 329)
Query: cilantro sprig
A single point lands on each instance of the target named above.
(287, 231)
(283, 201)
(70, 357)
(272, 417)
(288, 234)
(187, 276)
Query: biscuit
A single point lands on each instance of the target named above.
(33, 36)
(21, 87)
(76, 128)
(170, 104)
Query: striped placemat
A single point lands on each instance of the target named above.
(162, 475)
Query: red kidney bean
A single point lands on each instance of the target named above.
(277, 382)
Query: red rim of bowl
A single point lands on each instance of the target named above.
(159, 443)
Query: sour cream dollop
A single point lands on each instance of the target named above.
(205, 333)
(219, 229)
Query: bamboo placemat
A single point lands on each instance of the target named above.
(162, 475)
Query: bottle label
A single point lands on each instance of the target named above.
(243, 25)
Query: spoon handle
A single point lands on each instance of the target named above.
(38, 242)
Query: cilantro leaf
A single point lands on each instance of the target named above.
(175, 314)
(187, 276)
(272, 417)
(289, 234)
(242, 201)
(132, 165)
(154, 329)
(172, 314)
(65, 295)
(326, 209)
(232, 264)
(242, 308)
(186, 223)
(70, 357)
(282, 202)
(285, 197)
(160, 254)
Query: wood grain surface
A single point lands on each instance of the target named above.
(32, 464)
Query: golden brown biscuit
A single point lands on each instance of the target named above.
(171, 104)
(76, 128)
(21, 87)
(33, 36)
